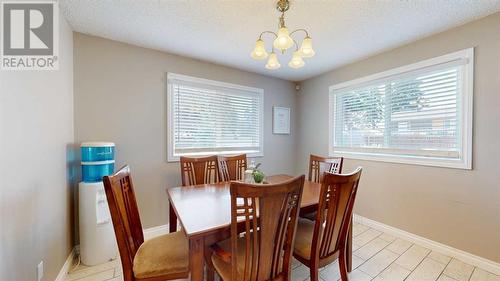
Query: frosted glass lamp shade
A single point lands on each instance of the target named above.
(306, 50)
(296, 61)
(283, 41)
(272, 62)
(259, 52)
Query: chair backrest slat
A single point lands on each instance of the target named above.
(199, 170)
(318, 165)
(270, 214)
(337, 197)
(125, 216)
(232, 168)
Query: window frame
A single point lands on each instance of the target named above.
(171, 156)
(466, 111)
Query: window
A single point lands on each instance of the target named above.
(416, 114)
(208, 117)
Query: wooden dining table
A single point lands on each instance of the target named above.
(204, 212)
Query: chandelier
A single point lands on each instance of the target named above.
(282, 42)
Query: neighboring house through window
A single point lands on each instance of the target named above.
(416, 114)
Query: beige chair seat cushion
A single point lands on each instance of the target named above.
(224, 268)
(162, 255)
(303, 243)
(303, 238)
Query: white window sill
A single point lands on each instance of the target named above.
(405, 159)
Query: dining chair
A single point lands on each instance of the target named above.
(199, 170)
(232, 167)
(263, 223)
(161, 258)
(318, 165)
(195, 171)
(321, 242)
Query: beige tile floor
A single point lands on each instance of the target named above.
(377, 256)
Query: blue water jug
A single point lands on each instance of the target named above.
(98, 160)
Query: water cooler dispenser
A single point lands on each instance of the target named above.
(97, 237)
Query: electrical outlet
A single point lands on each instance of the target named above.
(39, 271)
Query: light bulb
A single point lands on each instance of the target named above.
(272, 62)
(259, 52)
(306, 49)
(296, 61)
(283, 41)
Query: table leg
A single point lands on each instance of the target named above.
(196, 258)
(172, 219)
(349, 249)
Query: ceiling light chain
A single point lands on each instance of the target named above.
(282, 20)
(283, 41)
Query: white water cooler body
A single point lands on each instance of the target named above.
(97, 236)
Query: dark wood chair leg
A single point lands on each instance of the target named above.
(314, 273)
(172, 220)
(349, 249)
(210, 270)
(343, 266)
(210, 274)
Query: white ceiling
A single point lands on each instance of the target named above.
(224, 31)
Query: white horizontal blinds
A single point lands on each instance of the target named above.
(214, 119)
(415, 113)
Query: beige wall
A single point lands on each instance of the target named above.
(120, 96)
(36, 136)
(460, 208)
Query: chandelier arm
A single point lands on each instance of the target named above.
(270, 32)
(300, 29)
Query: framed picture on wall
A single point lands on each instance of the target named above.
(281, 120)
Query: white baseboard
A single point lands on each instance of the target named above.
(155, 231)
(466, 257)
(67, 265)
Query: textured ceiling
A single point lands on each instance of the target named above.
(224, 31)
